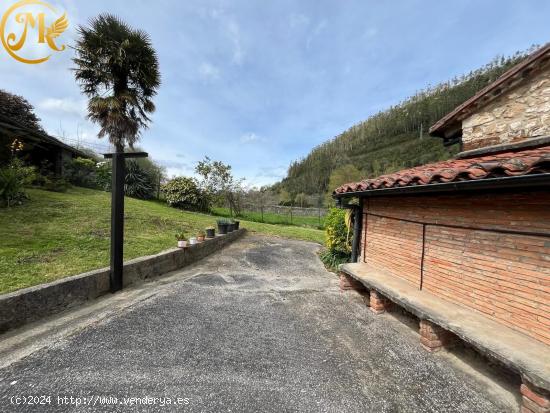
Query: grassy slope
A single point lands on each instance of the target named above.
(56, 235)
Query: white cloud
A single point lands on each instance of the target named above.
(66, 106)
(298, 20)
(208, 71)
(176, 168)
(268, 175)
(233, 31)
(235, 35)
(370, 33)
(250, 137)
(319, 27)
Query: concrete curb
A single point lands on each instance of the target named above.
(33, 303)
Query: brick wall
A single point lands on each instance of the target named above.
(505, 276)
(387, 236)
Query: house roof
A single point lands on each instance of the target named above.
(448, 126)
(506, 164)
(16, 130)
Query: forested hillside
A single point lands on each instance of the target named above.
(390, 140)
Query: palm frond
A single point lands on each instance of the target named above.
(117, 67)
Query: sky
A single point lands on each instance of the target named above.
(258, 84)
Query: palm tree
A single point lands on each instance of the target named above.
(117, 68)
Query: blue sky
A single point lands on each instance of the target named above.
(257, 84)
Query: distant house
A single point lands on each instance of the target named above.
(38, 147)
(464, 244)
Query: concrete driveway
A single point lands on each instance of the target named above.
(258, 327)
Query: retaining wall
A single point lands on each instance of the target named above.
(33, 303)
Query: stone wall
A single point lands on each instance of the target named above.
(522, 113)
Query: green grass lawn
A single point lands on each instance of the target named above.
(271, 218)
(55, 235)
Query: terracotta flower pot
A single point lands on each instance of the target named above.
(200, 238)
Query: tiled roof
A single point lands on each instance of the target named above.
(532, 161)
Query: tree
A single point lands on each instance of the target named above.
(285, 197)
(15, 109)
(216, 176)
(218, 182)
(342, 175)
(258, 198)
(388, 140)
(301, 200)
(18, 109)
(117, 68)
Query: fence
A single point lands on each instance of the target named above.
(286, 210)
(277, 214)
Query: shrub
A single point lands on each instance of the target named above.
(184, 193)
(103, 175)
(155, 173)
(55, 183)
(81, 172)
(138, 182)
(333, 259)
(338, 234)
(49, 180)
(13, 179)
(338, 238)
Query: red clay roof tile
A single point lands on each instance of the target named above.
(513, 163)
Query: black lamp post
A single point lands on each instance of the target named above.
(117, 214)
